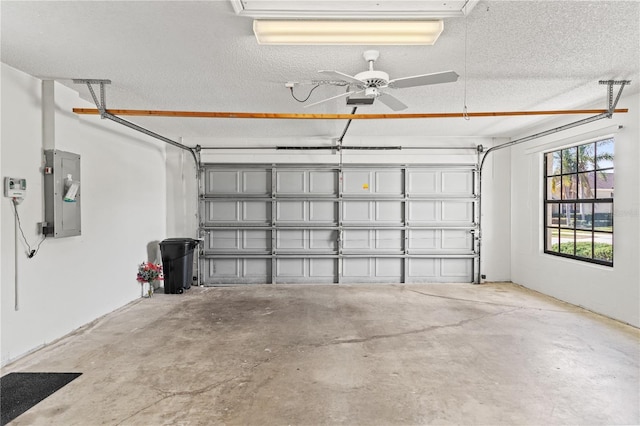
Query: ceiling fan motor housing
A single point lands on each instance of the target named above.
(373, 78)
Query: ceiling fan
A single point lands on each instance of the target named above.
(372, 84)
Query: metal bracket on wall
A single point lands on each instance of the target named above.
(102, 104)
(610, 83)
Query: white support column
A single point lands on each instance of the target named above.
(48, 115)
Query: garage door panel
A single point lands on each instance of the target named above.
(423, 268)
(247, 182)
(291, 181)
(383, 240)
(291, 211)
(389, 240)
(256, 211)
(374, 182)
(372, 270)
(357, 211)
(423, 182)
(357, 239)
(457, 239)
(389, 182)
(256, 240)
(222, 211)
(324, 212)
(323, 268)
(323, 240)
(457, 183)
(290, 239)
(361, 224)
(318, 240)
(423, 239)
(318, 212)
(357, 182)
(389, 212)
(380, 212)
(459, 268)
(423, 211)
(256, 182)
(290, 268)
(224, 267)
(222, 182)
(307, 182)
(222, 240)
(440, 240)
(457, 211)
(323, 182)
(236, 271)
(256, 267)
(389, 268)
(357, 267)
(307, 270)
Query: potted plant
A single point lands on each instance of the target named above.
(148, 272)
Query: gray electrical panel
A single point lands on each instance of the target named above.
(62, 199)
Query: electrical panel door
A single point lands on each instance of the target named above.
(63, 197)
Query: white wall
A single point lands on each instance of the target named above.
(182, 194)
(74, 280)
(496, 215)
(611, 291)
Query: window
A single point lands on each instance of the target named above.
(578, 202)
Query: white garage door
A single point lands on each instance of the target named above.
(330, 224)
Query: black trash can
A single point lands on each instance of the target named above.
(177, 263)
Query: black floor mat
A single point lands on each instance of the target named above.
(21, 391)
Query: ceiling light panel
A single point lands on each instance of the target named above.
(353, 9)
(290, 32)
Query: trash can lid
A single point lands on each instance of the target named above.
(180, 241)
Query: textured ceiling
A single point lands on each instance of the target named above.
(201, 56)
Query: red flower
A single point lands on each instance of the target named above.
(149, 272)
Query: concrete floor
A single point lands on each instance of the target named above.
(352, 355)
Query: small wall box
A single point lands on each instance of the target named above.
(62, 217)
(15, 187)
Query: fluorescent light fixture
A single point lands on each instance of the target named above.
(347, 32)
(353, 9)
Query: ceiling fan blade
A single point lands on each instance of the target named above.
(424, 79)
(342, 76)
(341, 95)
(392, 102)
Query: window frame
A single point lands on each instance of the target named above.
(576, 198)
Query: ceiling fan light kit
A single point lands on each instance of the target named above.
(350, 32)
